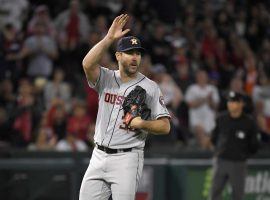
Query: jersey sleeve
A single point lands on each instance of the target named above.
(157, 106)
(102, 80)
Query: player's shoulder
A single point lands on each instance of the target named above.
(149, 84)
(149, 81)
(107, 74)
(107, 70)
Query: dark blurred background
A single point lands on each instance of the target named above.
(48, 112)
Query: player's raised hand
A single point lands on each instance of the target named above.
(116, 30)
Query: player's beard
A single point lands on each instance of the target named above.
(130, 69)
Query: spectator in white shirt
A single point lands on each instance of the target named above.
(202, 99)
(71, 143)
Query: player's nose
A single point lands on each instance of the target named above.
(135, 57)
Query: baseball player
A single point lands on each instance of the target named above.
(117, 160)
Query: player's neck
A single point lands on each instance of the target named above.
(127, 77)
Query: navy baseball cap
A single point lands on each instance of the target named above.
(235, 96)
(129, 43)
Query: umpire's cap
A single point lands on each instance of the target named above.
(235, 96)
(129, 43)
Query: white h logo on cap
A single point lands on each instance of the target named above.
(134, 41)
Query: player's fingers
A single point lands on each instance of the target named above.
(126, 18)
(123, 19)
(116, 20)
(125, 31)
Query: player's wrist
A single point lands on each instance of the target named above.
(142, 124)
(137, 123)
(109, 39)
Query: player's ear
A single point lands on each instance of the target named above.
(117, 55)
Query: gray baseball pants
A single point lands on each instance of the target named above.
(112, 174)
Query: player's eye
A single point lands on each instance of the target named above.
(133, 51)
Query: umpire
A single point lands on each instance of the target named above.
(234, 139)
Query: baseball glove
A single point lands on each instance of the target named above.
(134, 105)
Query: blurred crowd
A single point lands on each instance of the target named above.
(196, 53)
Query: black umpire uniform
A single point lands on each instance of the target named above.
(235, 139)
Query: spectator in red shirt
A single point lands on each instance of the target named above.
(79, 121)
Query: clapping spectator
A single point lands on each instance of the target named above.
(41, 15)
(41, 50)
(202, 99)
(57, 89)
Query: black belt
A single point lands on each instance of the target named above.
(112, 151)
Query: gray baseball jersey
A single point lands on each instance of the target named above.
(110, 130)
